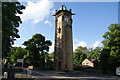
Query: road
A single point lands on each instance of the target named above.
(54, 75)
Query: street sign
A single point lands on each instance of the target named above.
(20, 60)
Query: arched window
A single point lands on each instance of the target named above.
(59, 19)
(66, 19)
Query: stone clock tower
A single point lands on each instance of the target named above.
(63, 52)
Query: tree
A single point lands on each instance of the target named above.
(111, 42)
(104, 60)
(83, 52)
(79, 55)
(37, 47)
(94, 53)
(10, 23)
(16, 53)
(48, 62)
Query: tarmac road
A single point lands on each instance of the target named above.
(54, 75)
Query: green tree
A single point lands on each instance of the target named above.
(94, 53)
(37, 47)
(16, 53)
(111, 42)
(48, 61)
(51, 55)
(10, 23)
(79, 55)
(82, 53)
(104, 60)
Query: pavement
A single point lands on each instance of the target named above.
(55, 75)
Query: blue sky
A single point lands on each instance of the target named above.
(90, 21)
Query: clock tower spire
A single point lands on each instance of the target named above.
(63, 51)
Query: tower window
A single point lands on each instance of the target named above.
(66, 19)
(59, 30)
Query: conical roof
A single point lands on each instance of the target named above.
(63, 7)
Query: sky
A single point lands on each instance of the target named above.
(90, 21)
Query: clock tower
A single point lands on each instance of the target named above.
(63, 51)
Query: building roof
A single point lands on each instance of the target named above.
(92, 60)
(64, 8)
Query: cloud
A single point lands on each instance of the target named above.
(95, 44)
(47, 22)
(22, 46)
(15, 45)
(37, 12)
(74, 46)
(76, 39)
(79, 43)
(82, 43)
(53, 11)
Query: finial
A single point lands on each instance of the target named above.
(70, 10)
(63, 7)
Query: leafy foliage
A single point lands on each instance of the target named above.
(79, 55)
(48, 62)
(82, 53)
(10, 24)
(16, 53)
(104, 60)
(111, 42)
(37, 48)
(94, 53)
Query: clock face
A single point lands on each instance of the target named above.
(66, 19)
